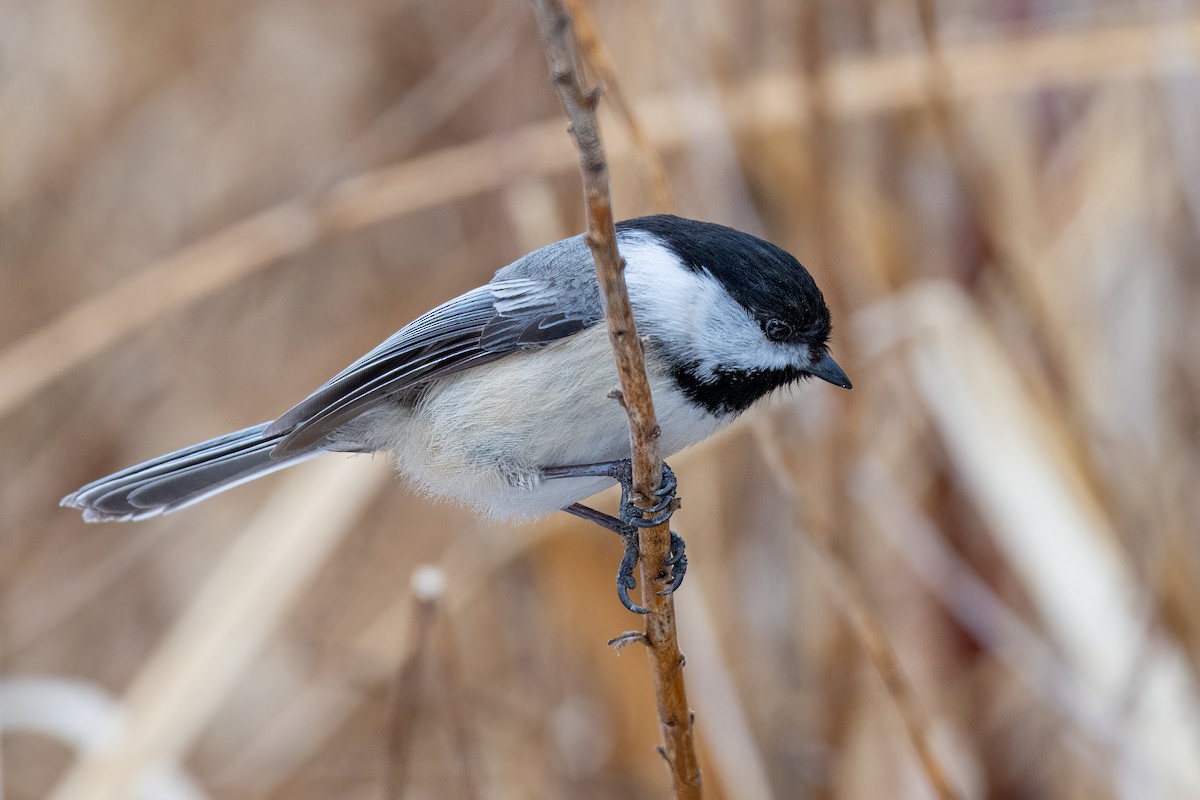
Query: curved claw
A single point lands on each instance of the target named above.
(625, 579)
(676, 577)
(632, 515)
(632, 518)
(669, 484)
(677, 563)
(622, 471)
(677, 549)
(656, 514)
(623, 593)
(661, 505)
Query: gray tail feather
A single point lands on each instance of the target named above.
(178, 479)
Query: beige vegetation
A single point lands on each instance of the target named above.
(208, 208)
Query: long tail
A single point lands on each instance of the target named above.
(178, 479)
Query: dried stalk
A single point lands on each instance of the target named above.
(227, 622)
(848, 592)
(856, 87)
(597, 57)
(675, 718)
(851, 598)
(428, 586)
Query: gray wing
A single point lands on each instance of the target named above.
(510, 314)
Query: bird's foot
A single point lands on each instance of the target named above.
(673, 569)
(664, 501)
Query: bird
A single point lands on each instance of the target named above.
(502, 398)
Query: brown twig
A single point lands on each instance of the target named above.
(675, 719)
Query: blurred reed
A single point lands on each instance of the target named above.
(207, 209)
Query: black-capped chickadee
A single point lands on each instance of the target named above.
(501, 398)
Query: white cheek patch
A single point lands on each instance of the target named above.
(692, 313)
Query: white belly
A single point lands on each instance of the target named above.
(483, 436)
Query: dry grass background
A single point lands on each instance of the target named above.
(208, 208)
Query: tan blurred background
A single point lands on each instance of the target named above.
(207, 208)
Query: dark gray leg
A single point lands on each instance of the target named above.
(622, 471)
(676, 560)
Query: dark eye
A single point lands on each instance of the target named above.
(777, 330)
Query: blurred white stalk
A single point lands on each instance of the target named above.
(724, 728)
(84, 717)
(1010, 459)
(899, 520)
(226, 624)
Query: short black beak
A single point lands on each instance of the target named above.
(827, 370)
